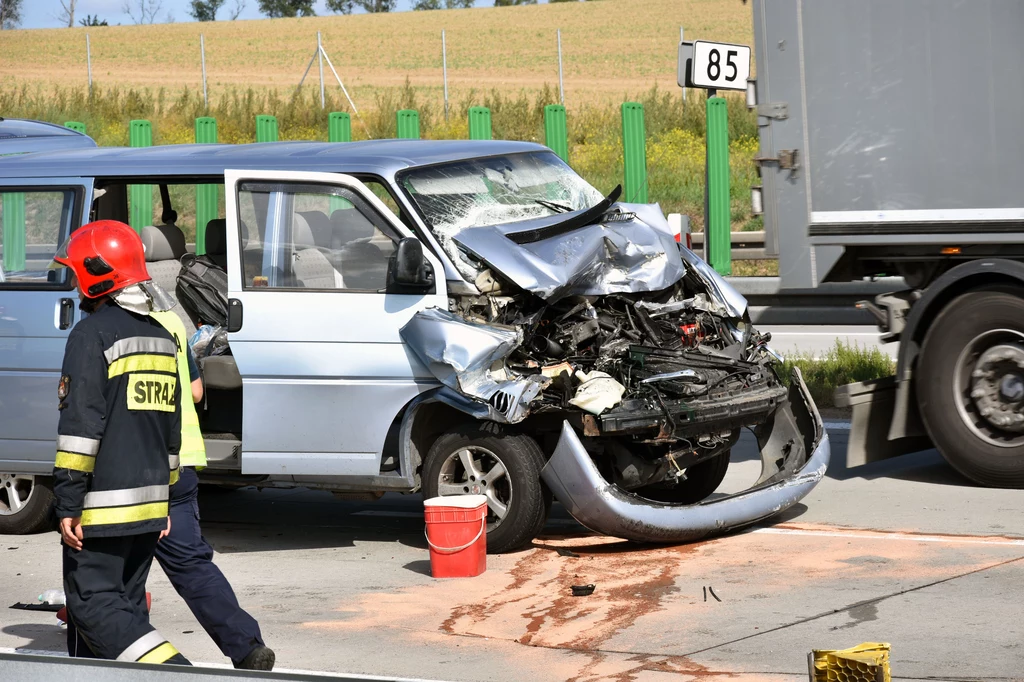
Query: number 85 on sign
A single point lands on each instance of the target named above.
(721, 66)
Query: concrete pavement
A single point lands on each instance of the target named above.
(903, 551)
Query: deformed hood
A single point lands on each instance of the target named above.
(631, 249)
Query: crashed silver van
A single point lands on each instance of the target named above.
(446, 317)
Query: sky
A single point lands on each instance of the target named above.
(42, 13)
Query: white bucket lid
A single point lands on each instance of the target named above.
(458, 501)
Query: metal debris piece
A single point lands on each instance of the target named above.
(583, 590)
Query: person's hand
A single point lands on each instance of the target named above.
(71, 532)
(165, 533)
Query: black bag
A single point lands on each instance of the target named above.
(202, 290)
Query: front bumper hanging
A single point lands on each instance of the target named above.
(794, 437)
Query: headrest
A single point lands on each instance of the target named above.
(302, 235)
(320, 224)
(163, 242)
(217, 237)
(350, 225)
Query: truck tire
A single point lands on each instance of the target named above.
(25, 504)
(504, 466)
(970, 387)
(701, 480)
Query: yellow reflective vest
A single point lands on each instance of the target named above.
(193, 450)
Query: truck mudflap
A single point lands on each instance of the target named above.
(795, 453)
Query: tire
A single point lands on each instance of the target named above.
(525, 498)
(701, 480)
(34, 504)
(953, 349)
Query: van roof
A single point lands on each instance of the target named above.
(19, 136)
(378, 157)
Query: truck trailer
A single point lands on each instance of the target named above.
(891, 150)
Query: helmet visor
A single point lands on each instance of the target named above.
(60, 255)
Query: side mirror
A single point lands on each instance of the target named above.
(409, 272)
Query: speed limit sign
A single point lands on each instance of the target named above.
(721, 66)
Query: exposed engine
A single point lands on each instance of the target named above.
(660, 383)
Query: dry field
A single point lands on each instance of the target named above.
(610, 48)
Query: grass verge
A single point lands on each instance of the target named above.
(843, 364)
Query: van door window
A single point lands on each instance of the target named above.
(303, 236)
(34, 223)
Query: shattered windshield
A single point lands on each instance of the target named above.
(497, 190)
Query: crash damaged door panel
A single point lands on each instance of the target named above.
(324, 369)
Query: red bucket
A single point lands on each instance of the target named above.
(457, 535)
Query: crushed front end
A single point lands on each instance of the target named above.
(625, 356)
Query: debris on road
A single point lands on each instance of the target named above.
(583, 590)
(868, 662)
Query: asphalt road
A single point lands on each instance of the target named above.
(903, 551)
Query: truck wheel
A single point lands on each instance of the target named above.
(701, 480)
(970, 387)
(505, 467)
(25, 503)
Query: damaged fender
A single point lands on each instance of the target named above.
(794, 453)
(461, 354)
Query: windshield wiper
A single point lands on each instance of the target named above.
(554, 206)
(570, 223)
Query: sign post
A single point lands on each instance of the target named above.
(715, 66)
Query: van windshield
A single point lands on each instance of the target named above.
(497, 190)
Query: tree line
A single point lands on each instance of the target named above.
(148, 11)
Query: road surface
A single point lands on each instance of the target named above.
(903, 551)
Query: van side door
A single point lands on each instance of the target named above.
(325, 372)
(38, 308)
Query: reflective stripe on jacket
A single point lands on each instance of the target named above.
(193, 450)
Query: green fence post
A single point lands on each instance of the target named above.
(479, 123)
(266, 128)
(556, 132)
(13, 206)
(718, 225)
(408, 124)
(207, 196)
(339, 127)
(634, 150)
(75, 125)
(140, 134)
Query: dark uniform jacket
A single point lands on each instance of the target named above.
(120, 424)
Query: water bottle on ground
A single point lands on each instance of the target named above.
(52, 597)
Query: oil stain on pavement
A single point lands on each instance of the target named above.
(646, 615)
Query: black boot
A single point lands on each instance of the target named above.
(260, 658)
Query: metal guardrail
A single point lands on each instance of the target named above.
(745, 245)
(35, 668)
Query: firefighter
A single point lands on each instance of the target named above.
(184, 554)
(119, 435)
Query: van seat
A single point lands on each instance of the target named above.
(216, 242)
(165, 245)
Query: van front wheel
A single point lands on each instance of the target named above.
(505, 468)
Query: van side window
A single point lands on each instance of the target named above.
(302, 236)
(34, 223)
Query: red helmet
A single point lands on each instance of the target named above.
(106, 256)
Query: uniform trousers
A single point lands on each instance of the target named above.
(105, 591)
(187, 559)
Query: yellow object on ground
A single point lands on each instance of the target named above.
(868, 662)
